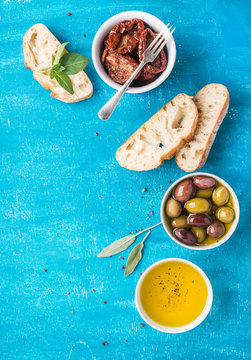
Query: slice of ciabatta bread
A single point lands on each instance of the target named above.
(212, 103)
(161, 136)
(39, 44)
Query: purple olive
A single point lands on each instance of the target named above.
(204, 182)
(199, 220)
(185, 236)
(216, 230)
(184, 191)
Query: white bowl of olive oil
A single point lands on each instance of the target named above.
(173, 295)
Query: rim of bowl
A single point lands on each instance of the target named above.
(225, 237)
(104, 30)
(176, 329)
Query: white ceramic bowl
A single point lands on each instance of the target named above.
(98, 44)
(177, 329)
(200, 247)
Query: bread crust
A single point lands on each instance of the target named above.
(210, 141)
(169, 154)
(43, 79)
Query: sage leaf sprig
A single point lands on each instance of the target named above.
(118, 246)
(135, 256)
(123, 243)
(63, 65)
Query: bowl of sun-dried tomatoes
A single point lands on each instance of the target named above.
(118, 48)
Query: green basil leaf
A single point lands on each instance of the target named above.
(53, 59)
(59, 53)
(64, 81)
(57, 67)
(118, 246)
(52, 74)
(134, 258)
(73, 63)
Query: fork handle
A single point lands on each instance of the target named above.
(106, 111)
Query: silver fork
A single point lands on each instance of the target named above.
(149, 55)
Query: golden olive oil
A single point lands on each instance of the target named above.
(173, 293)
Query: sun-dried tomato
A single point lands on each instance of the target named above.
(159, 64)
(119, 67)
(146, 77)
(124, 36)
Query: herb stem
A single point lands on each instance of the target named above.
(44, 71)
(142, 242)
(151, 227)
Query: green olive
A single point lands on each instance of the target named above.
(198, 206)
(180, 222)
(220, 196)
(204, 193)
(225, 214)
(173, 208)
(200, 233)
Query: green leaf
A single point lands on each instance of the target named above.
(134, 258)
(118, 246)
(135, 255)
(57, 67)
(73, 63)
(52, 61)
(52, 74)
(64, 81)
(59, 53)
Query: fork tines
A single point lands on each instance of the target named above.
(158, 43)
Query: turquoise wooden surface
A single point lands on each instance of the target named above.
(63, 195)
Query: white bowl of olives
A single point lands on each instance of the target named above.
(200, 211)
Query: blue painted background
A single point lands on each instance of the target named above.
(63, 195)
